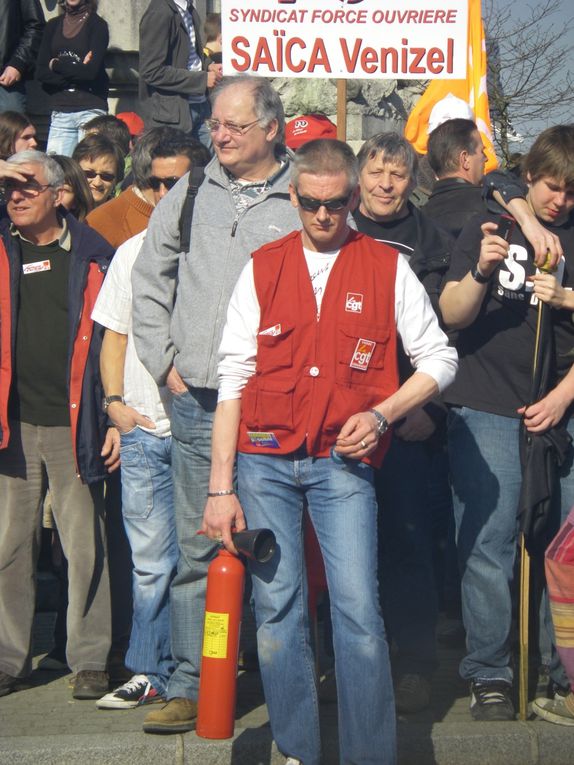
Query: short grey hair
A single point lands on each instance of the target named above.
(266, 101)
(52, 170)
(395, 148)
(325, 156)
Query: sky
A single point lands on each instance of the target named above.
(558, 20)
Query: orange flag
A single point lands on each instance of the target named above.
(472, 90)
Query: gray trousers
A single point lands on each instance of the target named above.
(35, 458)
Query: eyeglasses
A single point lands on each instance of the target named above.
(332, 205)
(106, 177)
(29, 189)
(231, 127)
(156, 182)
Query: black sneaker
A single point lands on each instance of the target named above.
(491, 701)
(135, 692)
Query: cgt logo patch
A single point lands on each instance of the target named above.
(354, 302)
(362, 354)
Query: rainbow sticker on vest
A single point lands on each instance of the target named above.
(362, 354)
(267, 440)
(354, 302)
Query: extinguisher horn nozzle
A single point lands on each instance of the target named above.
(256, 544)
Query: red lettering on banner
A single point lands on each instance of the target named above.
(241, 65)
(319, 57)
(405, 60)
(289, 63)
(350, 59)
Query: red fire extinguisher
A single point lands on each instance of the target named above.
(217, 681)
(223, 609)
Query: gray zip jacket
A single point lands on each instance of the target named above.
(180, 299)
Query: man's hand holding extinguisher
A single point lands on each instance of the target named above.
(223, 512)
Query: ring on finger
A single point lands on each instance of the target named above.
(363, 444)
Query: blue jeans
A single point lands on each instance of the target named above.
(191, 423)
(199, 113)
(66, 130)
(342, 505)
(149, 520)
(406, 576)
(486, 479)
(13, 99)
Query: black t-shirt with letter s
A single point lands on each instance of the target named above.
(496, 350)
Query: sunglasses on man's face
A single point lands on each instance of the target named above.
(106, 177)
(332, 205)
(156, 182)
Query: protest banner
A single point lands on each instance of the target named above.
(379, 39)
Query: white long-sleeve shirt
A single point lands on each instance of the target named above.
(423, 340)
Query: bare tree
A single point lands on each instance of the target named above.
(530, 75)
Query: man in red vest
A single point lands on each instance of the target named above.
(308, 390)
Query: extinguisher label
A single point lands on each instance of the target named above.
(215, 635)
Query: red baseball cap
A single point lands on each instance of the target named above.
(133, 121)
(299, 130)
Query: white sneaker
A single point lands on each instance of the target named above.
(292, 761)
(135, 692)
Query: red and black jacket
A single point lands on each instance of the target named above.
(90, 256)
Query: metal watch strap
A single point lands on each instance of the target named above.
(382, 424)
(477, 276)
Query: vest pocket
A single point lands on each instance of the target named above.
(268, 404)
(275, 351)
(361, 352)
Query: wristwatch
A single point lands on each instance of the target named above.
(477, 276)
(110, 400)
(382, 424)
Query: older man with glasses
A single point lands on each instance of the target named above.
(179, 305)
(52, 430)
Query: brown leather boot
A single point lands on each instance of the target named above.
(177, 716)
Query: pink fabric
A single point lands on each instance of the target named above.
(560, 579)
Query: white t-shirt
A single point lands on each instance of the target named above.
(113, 310)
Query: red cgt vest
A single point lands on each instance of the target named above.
(312, 375)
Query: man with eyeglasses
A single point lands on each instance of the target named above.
(140, 412)
(308, 387)
(52, 430)
(179, 306)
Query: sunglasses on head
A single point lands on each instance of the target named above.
(106, 177)
(156, 182)
(332, 205)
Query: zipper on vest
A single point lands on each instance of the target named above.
(234, 227)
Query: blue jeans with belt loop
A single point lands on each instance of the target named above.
(343, 509)
(149, 520)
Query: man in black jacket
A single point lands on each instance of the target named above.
(21, 25)
(53, 430)
(388, 174)
(174, 75)
(456, 156)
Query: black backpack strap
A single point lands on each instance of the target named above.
(196, 176)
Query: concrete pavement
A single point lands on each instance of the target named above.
(43, 724)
